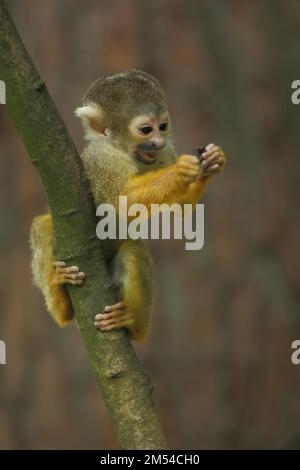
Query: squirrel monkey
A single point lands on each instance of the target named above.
(129, 153)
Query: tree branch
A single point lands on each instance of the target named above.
(125, 387)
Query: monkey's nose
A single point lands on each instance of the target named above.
(158, 145)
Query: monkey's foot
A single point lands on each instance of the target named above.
(114, 317)
(67, 275)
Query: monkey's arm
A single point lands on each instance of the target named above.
(132, 273)
(174, 184)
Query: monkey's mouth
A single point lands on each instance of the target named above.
(149, 158)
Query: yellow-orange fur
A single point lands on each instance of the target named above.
(56, 298)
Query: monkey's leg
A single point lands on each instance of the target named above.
(131, 270)
(49, 276)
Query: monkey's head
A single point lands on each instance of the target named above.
(131, 109)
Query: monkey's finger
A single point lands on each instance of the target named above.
(189, 170)
(74, 277)
(107, 315)
(214, 158)
(118, 306)
(188, 159)
(67, 270)
(207, 155)
(115, 326)
(104, 320)
(114, 322)
(59, 264)
(73, 282)
(71, 269)
(190, 173)
(216, 168)
(189, 166)
(210, 146)
(123, 324)
(211, 150)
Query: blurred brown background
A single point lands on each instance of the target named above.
(225, 318)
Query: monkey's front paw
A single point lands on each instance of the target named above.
(114, 317)
(213, 160)
(67, 275)
(188, 167)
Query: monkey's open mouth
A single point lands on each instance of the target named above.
(149, 158)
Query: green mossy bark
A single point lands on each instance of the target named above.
(125, 387)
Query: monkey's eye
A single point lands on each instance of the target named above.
(145, 130)
(163, 126)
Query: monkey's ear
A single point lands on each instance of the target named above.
(92, 120)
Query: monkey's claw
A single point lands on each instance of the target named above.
(114, 317)
(67, 275)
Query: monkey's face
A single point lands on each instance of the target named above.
(149, 134)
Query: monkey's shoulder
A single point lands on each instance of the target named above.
(101, 154)
(107, 168)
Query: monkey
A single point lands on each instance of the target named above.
(129, 152)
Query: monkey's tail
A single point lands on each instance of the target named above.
(56, 297)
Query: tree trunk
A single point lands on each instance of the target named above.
(125, 387)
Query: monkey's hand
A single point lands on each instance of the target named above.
(188, 168)
(114, 317)
(212, 162)
(67, 275)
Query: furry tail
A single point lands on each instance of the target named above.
(41, 241)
